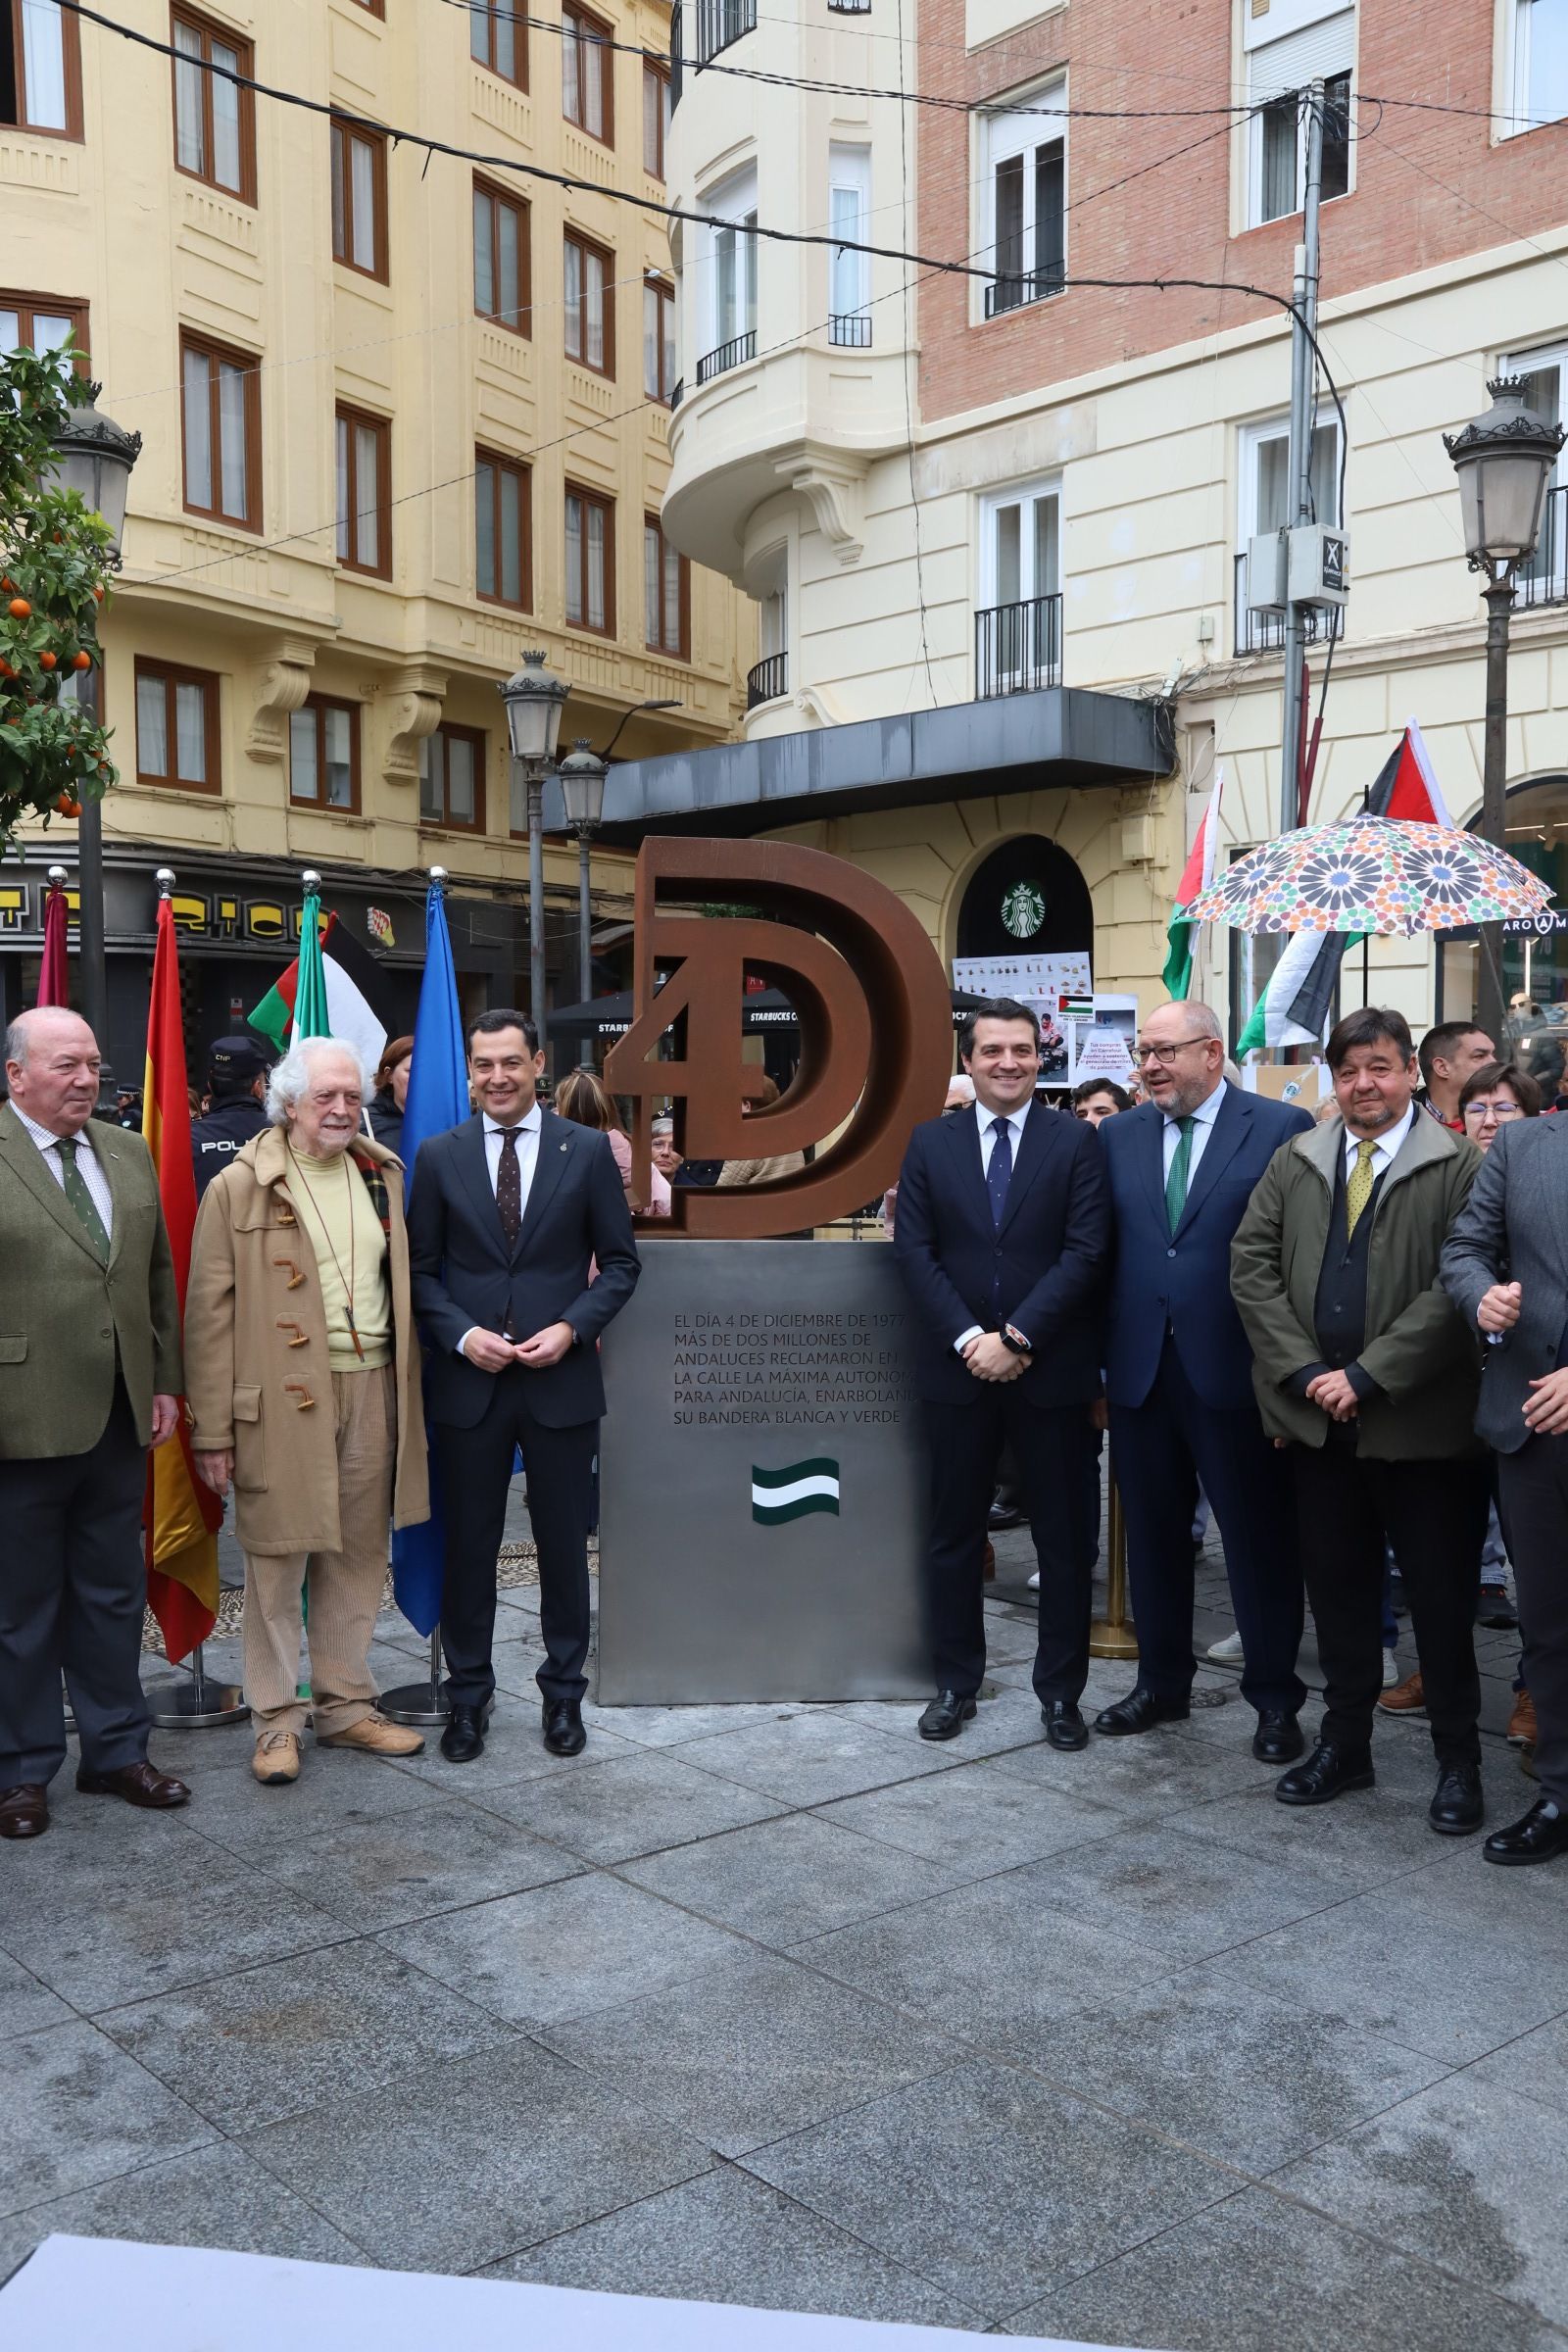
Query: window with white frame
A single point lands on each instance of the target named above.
(1265, 503)
(1545, 578)
(1292, 44)
(1024, 190)
(1018, 620)
(732, 276)
(849, 267)
(1537, 33)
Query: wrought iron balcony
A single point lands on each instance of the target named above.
(720, 23)
(849, 328)
(1544, 580)
(1264, 632)
(733, 354)
(1018, 648)
(848, 7)
(767, 682)
(1013, 291)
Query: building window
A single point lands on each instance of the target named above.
(585, 73)
(363, 492)
(1018, 623)
(731, 256)
(658, 340)
(41, 68)
(1544, 580)
(1540, 39)
(324, 753)
(1279, 74)
(498, 37)
(452, 778)
(215, 120)
(358, 199)
(503, 550)
(1024, 192)
(222, 432)
(1264, 506)
(590, 562)
(176, 727)
(39, 322)
(667, 594)
(500, 257)
(656, 119)
(373, 8)
(849, 269)
(590, 309)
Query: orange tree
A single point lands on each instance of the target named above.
(54, 560)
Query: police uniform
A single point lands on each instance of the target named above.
(235, 1118)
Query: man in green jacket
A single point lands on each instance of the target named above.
(1365, 1369)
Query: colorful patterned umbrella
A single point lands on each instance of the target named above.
(1371, 874)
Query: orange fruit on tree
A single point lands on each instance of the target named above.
(81, 660)
(20, 609)
(48, 660)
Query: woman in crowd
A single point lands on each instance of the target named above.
(583, 1097)
(392, 1093)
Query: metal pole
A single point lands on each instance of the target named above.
(586, 918)
(1498, 593)
(94, 976)
(536, 900)
(1300, 454)
(1112, 1635)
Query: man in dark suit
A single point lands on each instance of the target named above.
(89, 1378)
(1179, 1380)
(506, 1216)
(1001, 1238)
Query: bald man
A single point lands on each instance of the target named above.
(89, 1379)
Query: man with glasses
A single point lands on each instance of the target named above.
(1179, 1380)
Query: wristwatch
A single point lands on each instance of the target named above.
(1012, 1338)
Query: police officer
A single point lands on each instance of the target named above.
(236, 1085)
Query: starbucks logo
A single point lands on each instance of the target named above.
(1023, 909)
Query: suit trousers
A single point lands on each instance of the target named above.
(345, 1585)
(72, 1597)
(1161, 1449)
(1051, 1446)
(475, 1474)
(1535, 1509)
(1435, 1516)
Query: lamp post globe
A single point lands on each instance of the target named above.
(534, 698)
(582, 787)
(1503, 460)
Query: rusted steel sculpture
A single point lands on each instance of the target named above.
(875, 1024)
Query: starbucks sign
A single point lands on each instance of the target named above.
(1023, 909)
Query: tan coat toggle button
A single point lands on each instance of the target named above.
(300, 1339)
(303, 1400)
(295, 1277)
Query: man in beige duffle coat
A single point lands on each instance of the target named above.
(302, 1365)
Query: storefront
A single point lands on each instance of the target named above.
(1535, 953)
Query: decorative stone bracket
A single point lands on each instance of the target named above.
(833, 488)
(412, 702)
(282, 682)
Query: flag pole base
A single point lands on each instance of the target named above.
(422, 1706)
(1107, 1640)
(195, 1703)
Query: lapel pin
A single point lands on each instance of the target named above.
(563, 1147)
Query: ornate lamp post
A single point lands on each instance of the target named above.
(582, 788)
(535, 699)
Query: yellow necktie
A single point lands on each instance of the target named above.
(1358, 1184)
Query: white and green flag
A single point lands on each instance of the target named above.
(790, 1493)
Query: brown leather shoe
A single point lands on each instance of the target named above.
(24, 1811)
(138, 1784)
(1406, 1698)
(1522, 1722)
(377, 1736)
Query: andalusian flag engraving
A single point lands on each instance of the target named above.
(790, 1493)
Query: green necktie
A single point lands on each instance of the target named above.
(1176, 1181)
(1358, 1184)
(81, 1200)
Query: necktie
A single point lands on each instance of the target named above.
(509, 1187)
(81, 1200)
(1359, 1185)
(1176, 1181)
(999, 1175)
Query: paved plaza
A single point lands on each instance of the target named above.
(773, 2004)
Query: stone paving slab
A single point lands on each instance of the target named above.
(75, 2111)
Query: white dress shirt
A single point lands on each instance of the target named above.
(1203, 1119)
(986, 1121)
(87, 1160)
(528, 1161)
(1386, 1148)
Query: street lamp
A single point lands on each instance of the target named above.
(582, 790)
(96, 456)
(534, 698)
(1503, 460)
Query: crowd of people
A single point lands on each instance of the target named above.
(1348, 1337)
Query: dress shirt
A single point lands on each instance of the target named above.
(87, 1160)
(984, 1119)
(1387, 1149)
(528, 1161)
(1203, 1119)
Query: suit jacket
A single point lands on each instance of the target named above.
(1514, 1227)
(66, 1319)
(1049, 1255)
(1181, 1282)
(463, 1273)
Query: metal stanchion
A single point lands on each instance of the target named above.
(194, 1703)
(1112, 1635)
(66, 1708)
(418, 1703)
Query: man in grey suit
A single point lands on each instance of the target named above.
(1506, 1265)
(89, 1377)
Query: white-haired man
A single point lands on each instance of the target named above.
(302, 1367)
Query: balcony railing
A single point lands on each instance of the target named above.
(849, 328)
(1018, 648)
(1544, 579)
(767, 682)
(1012, 293)
(720, 23)
(733, 354)
(848, 7)
(1264, 632)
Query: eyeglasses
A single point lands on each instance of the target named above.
(1481, 1111)
(1165, 1055)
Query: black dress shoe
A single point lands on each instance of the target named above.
(946, 1716)
(463, 1737)
(562, 1727)
(1456, 1807)
(1140, 1711)
(1005, 1512)
(1327, 1774)
(1278, 1738)
(1065, 1726)
(1538, 1838)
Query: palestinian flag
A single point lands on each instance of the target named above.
(357, 1000)
(1295, 1006)
(1197, 875)
(791, 1493)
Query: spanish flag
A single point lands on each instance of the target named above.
(180, 1518)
